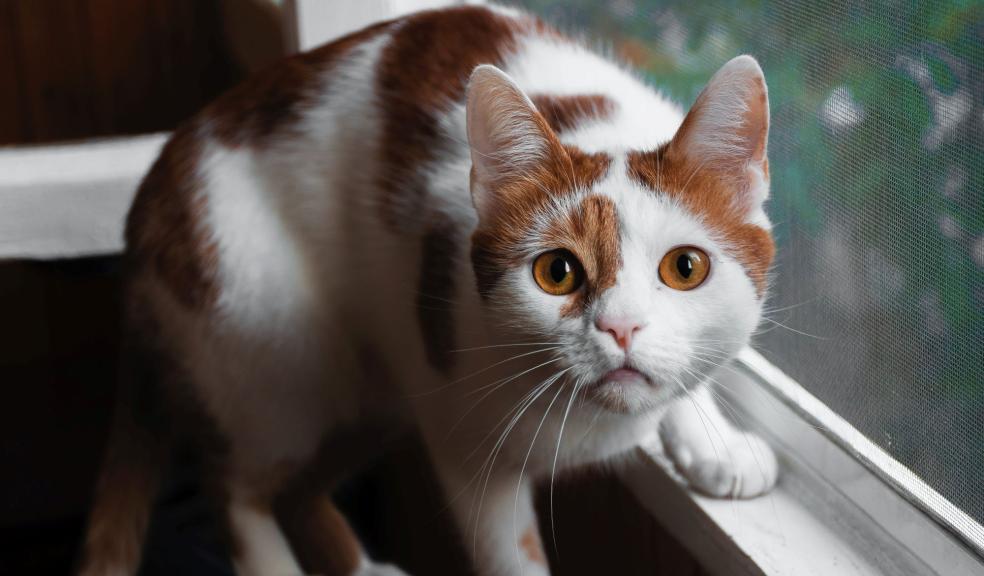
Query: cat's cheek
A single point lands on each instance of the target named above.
(542, 310)
(735, 297)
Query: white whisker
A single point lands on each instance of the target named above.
(553, 468)
(522, 470)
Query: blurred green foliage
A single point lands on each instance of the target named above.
(905, 138)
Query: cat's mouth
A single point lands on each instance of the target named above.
(621, 389)
(626, 375)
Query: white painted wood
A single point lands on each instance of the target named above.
(881, 485)
(772, 535)
(313, 22)
(319, 21)
(830, 513)
(70, 200)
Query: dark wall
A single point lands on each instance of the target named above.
(58, 342)
(80, 68)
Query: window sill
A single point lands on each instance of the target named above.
(838, 508)
(66, 201)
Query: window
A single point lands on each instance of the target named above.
(877, 161)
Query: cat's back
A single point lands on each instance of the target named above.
(229, 180)
(367, 129)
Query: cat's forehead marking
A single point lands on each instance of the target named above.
(528, 208)
(591, 232)
(710, 197)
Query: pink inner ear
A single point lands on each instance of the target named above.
(532, 546)
(728, 126)
(504, 129)
(510, 141)
(756, 126)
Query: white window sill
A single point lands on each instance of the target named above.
(831, 513)
(775, 534)
(70, 200)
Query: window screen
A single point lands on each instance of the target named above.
(877, 162)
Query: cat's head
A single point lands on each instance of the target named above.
(646, 268)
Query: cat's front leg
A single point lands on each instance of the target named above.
(713, 456)
(499, 525)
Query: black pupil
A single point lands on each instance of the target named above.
(685, 265)
(559, 269)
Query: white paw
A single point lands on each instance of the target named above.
(376, 569)
(744, 467)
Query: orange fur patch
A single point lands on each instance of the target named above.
(424, 67)
(164, 230)
(497, 244)
(320, 535)
(713, 195)
(591, 233)
(569, 111)
(532, 546)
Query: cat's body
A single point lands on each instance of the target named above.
(308, 270)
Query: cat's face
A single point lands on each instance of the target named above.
(645, 269)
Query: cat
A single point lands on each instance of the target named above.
(461, 224)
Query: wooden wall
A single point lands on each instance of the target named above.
(58, 341)
(81, 68)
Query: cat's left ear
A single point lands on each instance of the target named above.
(509, 139)
(727, 130)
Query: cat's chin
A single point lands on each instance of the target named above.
(623, 390)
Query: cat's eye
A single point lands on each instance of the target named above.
(684, 268)
(558, 272)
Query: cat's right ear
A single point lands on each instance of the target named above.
(509, 139)
(727, 131)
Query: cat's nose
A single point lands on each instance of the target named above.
(621, 329)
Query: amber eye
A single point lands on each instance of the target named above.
(684, 268)
(558, 272)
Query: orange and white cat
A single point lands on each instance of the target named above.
(460, 223)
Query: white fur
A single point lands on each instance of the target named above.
(724, 106)
(573, 69)
(265, 551)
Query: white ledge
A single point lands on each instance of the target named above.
(855, 444)
(70, 200)
(839, 508)
(771, 535)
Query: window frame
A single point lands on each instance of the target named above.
(854, 509)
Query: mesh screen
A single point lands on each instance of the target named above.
(877, 162)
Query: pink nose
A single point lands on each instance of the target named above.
(621, 329)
